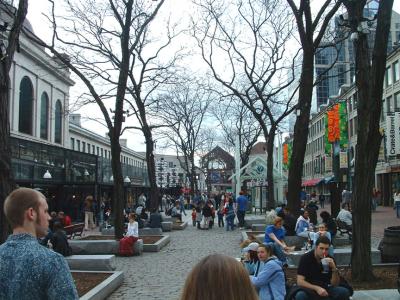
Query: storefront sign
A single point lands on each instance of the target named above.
(393, 133)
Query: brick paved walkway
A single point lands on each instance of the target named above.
(161, 275)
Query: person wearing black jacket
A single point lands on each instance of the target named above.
(207, 214)
(59, 240)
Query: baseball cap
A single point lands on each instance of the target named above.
(252, 246)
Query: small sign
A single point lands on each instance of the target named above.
(328, 164)
(343, 160)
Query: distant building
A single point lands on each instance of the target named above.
(343, 54)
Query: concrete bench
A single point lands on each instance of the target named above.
(179, 226)
(90, 247)
(342, 256)
(166, 226)
(150, 231)
(250, 220)
(156, 247)
(91, 262)
(258, 227)
(295, 240)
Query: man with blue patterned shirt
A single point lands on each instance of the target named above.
(27, 269)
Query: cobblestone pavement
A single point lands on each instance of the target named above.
(161, 275)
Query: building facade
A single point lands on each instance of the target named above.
(342, 54)
(319, 164)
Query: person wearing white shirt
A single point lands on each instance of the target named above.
(131, 236)
(345, 216)
(133, 226)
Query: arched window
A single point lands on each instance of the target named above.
(25, 106)
(44, 116)
(58, 123)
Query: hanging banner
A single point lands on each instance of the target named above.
(393, 134)
(343, 127)
(336, 128)
(343, 161)
(287, 155)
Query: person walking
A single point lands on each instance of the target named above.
(230, 216)
(321, 199)
(88, 209)
(182, 204)
(241, 203)
(397, 203)
(27, 269)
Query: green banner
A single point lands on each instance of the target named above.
(344, 140)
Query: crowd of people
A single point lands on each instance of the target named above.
(260, 276)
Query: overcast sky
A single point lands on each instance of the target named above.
(178, 10)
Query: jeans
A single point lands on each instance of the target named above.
(183, 210)
(398, 209)
(240, 216)
(221, 221)
(278, 251)
(335, 293)
(230, 222)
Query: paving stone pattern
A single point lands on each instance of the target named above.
(162, 275)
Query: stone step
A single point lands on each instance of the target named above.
(342, 256)
(104, 262)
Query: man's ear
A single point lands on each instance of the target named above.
(30, 214)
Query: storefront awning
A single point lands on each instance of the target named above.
(312, 182)
(329, 179)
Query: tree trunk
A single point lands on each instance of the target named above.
(369, 81)
(270, 167)
(301, 130)
(7, 183)
(118, 192)
(151, 167)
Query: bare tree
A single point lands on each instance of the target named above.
(236, 120)
(184, 109)
(250, 38)
(370, 72)
(9, 40)
(101, 42)
(311, 32)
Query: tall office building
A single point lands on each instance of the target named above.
(341, 56)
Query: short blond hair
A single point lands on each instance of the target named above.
(277, 220)
(18, 202)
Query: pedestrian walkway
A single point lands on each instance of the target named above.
(162, 275)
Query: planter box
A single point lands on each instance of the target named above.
(106, 246)
(105, 288)
(179, 226)
(149, 231)
(91, 262)
(158, 245)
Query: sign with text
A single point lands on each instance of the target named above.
(393, 134)
(328, 164)
(343, 163)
